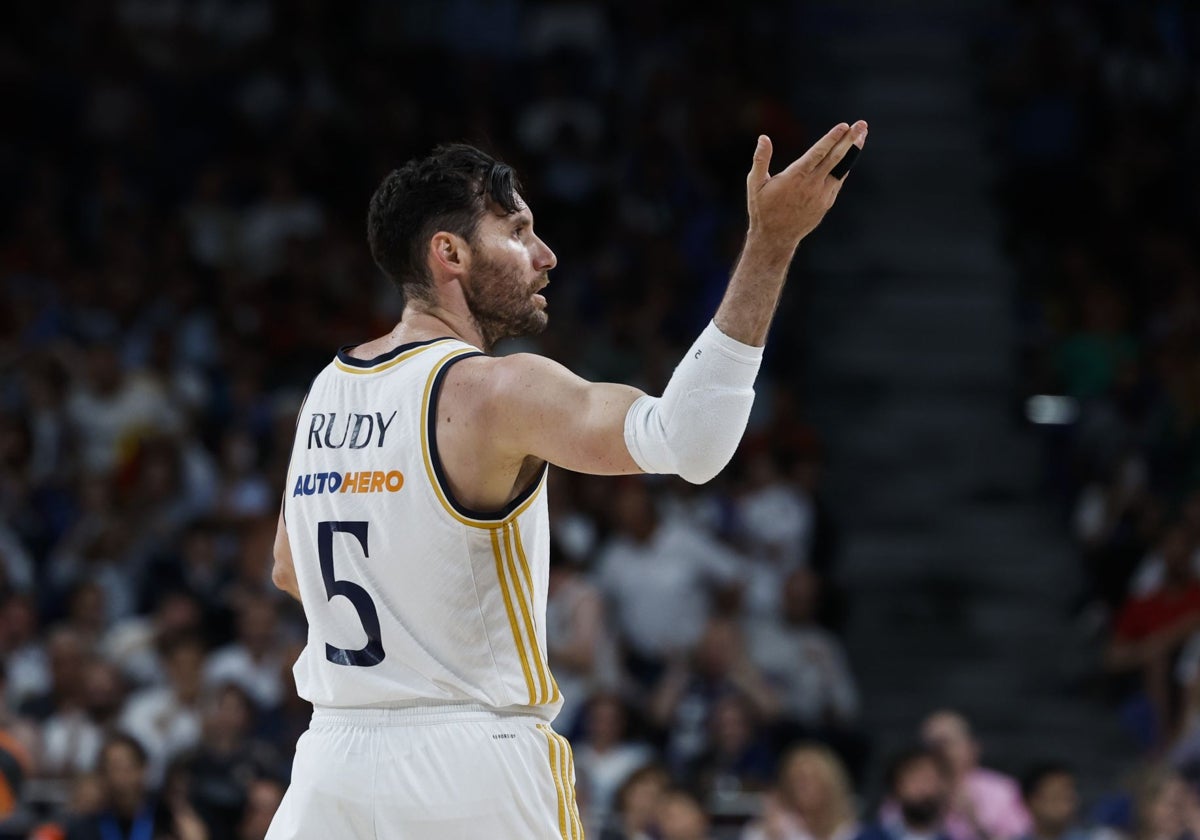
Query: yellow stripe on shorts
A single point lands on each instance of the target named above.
(569, 784)
(558, 782)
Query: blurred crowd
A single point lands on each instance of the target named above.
(1099, 126)
(183, 249)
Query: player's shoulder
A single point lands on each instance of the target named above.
(491, 376)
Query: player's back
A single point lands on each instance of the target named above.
(411, 598)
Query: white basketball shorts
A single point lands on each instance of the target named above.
(440, 773)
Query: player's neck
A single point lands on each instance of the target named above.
(427, 322)
(421, 324)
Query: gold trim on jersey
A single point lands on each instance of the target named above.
(562, 768)
(512, 617)
(543, 665)
(405, 356)
(433, 480)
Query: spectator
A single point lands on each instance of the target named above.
(111, 406)
(67, 654)
(262, 801)
(1160, 806)
(738, 763)
(604, 758)
(1053, 801)
(135, 642)
(684, 700)
(255, 661)
(222, 767)
(918, 790)
(1151, 629)
(776, 521)
(583, 656)
(809, 667)
(73, 735)
(985, 805)
(129, 808)
(659, 576)
(167, 719)
(812, 799)
(680, 817)
(637, 805)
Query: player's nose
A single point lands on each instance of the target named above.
(545, 258)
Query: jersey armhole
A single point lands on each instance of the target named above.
(439, 474)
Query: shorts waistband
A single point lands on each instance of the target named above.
(323, 717)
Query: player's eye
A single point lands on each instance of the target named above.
(518, 230)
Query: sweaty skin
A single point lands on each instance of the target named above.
(500, 418)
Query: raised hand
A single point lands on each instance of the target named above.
(784, 208)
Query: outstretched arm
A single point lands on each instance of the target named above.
(693, 429)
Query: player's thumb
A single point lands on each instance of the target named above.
(759, 168)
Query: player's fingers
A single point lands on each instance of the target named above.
(809, 161)
(760, 167)
(855, 138)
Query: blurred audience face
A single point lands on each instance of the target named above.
(638, 798)
(123, 771)
(680, 817)
(67, 659)
(1176, 548)
(257, 625)
(950, 735)
(103, 369)
(921, 790)
(87, 794)
(184, 665)
(800, 593)
(1162, 807)
(103, 690)
(813, 784)
(262, 801)
(1053, 804)
(719, 648)
(228, 716)
(19, 619)
(89, 608)
(605, 721)
(177, 613)
(732, 725)
(634, 512)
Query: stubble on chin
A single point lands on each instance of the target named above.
(502, 309)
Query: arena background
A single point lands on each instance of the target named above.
(972, 475)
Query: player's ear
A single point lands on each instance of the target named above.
(448, 254)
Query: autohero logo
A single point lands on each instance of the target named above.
(363, 481)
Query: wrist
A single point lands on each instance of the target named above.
(767, 249)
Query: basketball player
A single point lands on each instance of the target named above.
(414, 527)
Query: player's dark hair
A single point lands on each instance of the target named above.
(1033, 778)
(450, 190)
(908, 758)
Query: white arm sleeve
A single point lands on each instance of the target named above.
(693, 429)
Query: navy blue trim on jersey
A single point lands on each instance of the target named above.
(440, 474)
(343, 353)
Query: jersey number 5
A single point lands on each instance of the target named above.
(372, 653)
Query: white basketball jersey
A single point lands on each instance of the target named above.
(411, 598)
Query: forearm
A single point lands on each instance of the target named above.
(754, 289)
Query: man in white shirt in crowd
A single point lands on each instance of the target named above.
(660, 576)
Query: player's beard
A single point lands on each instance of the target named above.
(501, 302)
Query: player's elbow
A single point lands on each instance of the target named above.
(702, 470)
(696, 440)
